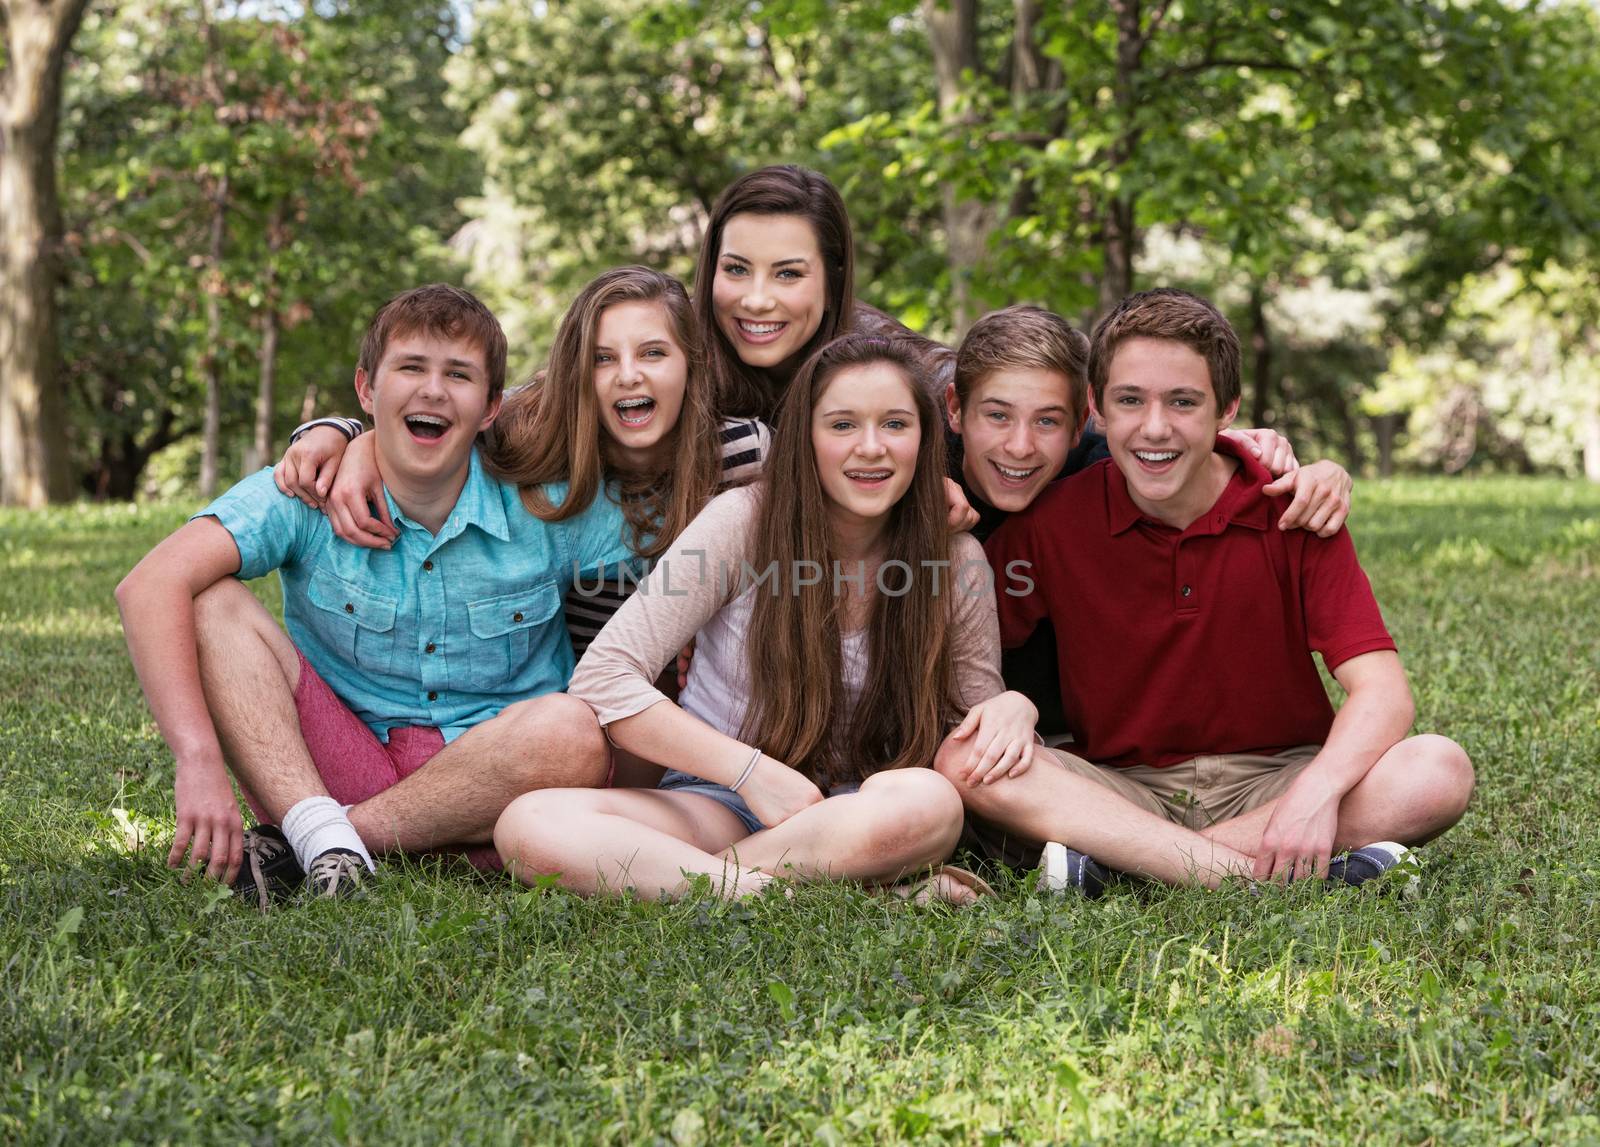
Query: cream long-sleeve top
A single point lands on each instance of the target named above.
(704, 588)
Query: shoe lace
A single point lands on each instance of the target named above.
(261, 850)
(330, 872)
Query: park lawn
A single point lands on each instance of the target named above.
(136, 1008)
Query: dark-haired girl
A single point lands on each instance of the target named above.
(842, 631)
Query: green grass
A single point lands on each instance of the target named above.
(135, 1008)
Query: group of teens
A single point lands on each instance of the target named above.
(721, 595)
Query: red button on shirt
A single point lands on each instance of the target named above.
(1174, 644)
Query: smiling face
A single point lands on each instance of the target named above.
(1016, 428)
(770, 290)
(1161, 422)
(864, 434)
(640, 372)
(428, 398)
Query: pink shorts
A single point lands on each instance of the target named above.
(353, 764)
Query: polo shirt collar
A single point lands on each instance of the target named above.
(479, 504)
(1242, 503)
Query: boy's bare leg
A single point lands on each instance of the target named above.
(552, 741)
(1048, 802)
(1414, 792)
(250, 670)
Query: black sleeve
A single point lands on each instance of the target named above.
(1090, 449)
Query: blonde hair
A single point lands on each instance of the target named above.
(1024, 337)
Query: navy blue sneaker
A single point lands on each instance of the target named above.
(270, 871)
(1062, 869)
(337, 873)
(1372, 862)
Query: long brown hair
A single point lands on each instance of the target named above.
(744, 391)
(796, 664)
(550, 430)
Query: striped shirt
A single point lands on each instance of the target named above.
(592, 600)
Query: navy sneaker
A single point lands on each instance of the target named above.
(336, 874)
(270, 871)
(1062, 869)
(1372, 862)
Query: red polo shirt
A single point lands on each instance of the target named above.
(1177, 644)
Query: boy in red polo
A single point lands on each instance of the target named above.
(1185, 620)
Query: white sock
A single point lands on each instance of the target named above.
(317, 824)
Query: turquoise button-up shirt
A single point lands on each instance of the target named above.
(443, 630)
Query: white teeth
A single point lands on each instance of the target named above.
(867, 475)
(630, 403)
(760, 328)
(1155, 456)
(427, 419)
(1016, 474)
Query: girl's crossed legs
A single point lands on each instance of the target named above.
(656, 841)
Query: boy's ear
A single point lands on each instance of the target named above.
(1082, 422)
(952, 407)
(491, 413)
(364, 390)
(1229, 414)
(1091, 409)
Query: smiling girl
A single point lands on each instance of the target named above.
(841, 631)
(775, 280)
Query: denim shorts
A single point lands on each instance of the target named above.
(677, 782)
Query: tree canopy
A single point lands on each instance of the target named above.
(1393, 202)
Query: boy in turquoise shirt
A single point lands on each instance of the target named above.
(447, 650)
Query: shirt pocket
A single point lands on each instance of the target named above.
(502, 634)
(353, 621)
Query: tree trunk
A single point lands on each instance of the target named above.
(123, 451)
(211, 359)
(1261, 358)
(1119, 250)
(1384, 427)
(1120, 240)
(1352, 433)
(215, 283)
(1032, 73)
(33, 455)
(953, 35)
(261, 448)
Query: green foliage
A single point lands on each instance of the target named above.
(607, 128)
(1391, 150)
(1273, 156)
(134, 1007)
(327, 138)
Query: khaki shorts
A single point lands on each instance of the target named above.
(1195, 793)
(1200, 792)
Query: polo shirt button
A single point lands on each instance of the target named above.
(516, 617)
(428, 648)
(1186, 591)
(432, 696)
(427, 565)
(348, 608)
